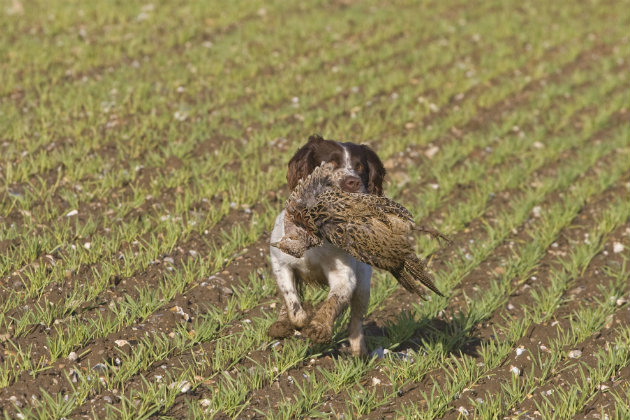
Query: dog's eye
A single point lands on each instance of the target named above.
(358, 167)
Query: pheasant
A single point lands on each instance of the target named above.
(373, 229)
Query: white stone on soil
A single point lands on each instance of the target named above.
(182, 386)
(536, 211)
(515, 371)
(431, 152)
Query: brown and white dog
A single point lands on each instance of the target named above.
(348, 279)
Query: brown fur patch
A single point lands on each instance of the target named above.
(319, 330)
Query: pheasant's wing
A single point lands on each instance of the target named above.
(397, 210)
(396, 216)
(328, 208)
(385, 204)
(399, 218)
(388, 211)
(375, 244)
(371, 241)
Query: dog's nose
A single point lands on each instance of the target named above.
(351, 184)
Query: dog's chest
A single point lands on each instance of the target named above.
(311, 268)
(317, 264)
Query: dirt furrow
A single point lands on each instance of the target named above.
(586, 287)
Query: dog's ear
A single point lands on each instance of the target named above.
(302, 163)
(376, 173)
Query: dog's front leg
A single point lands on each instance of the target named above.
(342, 281)
(358, 308)
(285, 280)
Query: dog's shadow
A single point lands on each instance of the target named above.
(406, 332)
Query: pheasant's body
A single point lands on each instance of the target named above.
(371, 228)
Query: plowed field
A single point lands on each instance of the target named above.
(143, 152)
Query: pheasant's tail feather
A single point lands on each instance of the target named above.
(407, 281)
(413, 272)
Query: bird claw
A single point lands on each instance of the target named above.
(435, 234)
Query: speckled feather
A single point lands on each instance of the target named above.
(371, 228)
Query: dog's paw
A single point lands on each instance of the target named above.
(299, 317)
(281, 329)
(318, 332)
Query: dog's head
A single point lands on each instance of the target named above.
(362, 170)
